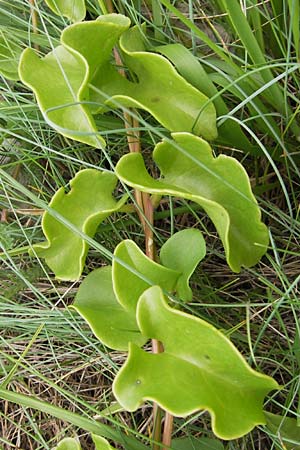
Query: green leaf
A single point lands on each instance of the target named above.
(74, 444)
(220, 185)
(182, 252)
(110, 322)
(160, 90)
(286, 429)
(69, 444)
(199, 369)
(10, 53)
(191, 443)
(192, 70)
(87, 204)
(133, 272)
(72, 9)
(77, 80)
(60, 80)
(101, 443)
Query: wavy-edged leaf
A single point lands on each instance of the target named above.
(10, 53)
(94, 40)
(87, 204)
(220, 185)
(286, 429)
(110, 322)
(60, 79)
(193, 71)
(101, 443)
(72, 9)
(78, 79)
(74, 444)
(68, 444)
(159, 89)
(133, 272)
(199, 369)
(182, 252)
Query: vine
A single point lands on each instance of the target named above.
(130, 302)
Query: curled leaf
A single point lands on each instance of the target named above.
(72, 9)
(190, 67)
(77, 79)
(133, 272)
(74, 444)
(87, 204)
(220, 185)
(159, 89)
(110, 322)
(199, 369)
(60, 79)
(182, 252)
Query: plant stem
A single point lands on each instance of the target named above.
(34, 19)
(145, 211)
(168, 428)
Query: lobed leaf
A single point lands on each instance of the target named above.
(107, 297)
(77, 80)
(110, 322)
(190, 67)
(60, 79)
(182, 252)
(87, 204)
(72, 9)
(74, 444)
(220, 185)
(133, 272)
(199, 369)
(159, 89)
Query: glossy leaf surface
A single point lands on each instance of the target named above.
(72, 9)
(110, 322)
(140, 272)
(199, 369)
(87, 204)
(160, 90)
(77, 79)
(190, 67)
(220, 185)
(182, 252)
(60, 79)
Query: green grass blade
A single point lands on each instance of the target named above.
(294, 8)
(92, 426)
